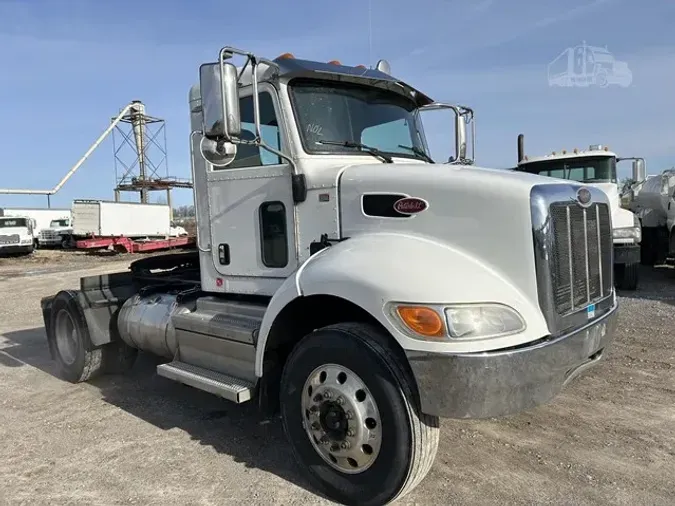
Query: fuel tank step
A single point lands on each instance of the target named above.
(226, 320)
(226, 386)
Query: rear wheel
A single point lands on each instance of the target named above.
(79, 360)
(352, 416)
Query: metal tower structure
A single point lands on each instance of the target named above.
(148, 178)
(139, 149)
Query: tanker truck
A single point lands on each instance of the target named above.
(347, 283)
(596, 167)
(653, 202)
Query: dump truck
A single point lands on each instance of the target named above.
(597, 167)
(345, 282)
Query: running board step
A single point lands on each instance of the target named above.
(226, 386)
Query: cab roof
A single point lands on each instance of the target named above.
(568, 156)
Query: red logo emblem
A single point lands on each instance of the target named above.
(219, 282)
(410, 205)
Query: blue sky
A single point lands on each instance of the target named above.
(69, 66)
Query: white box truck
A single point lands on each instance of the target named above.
(99, 218)
(345, 280)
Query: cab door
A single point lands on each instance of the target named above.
(250, 201)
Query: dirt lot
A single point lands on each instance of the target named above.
(141, 439)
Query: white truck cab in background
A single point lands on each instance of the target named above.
(343, 278)
(58, 233)
(596, 167)
(16, 235)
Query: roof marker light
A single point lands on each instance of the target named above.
(334, 62)
(286, 56)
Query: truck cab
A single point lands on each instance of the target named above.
(346, 281)
(597, 167)
(58, 233)
(16, 235)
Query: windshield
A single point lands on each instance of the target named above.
(13, 222)
(58, 223)
(597, 169)
(354, 113)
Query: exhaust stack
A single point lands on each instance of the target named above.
(521, 147)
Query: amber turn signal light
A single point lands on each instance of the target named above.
(422, 320)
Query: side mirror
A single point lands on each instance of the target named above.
(639, 170)
(460, 137)
(220, 101)
(217, 152)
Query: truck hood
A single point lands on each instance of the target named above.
(14, 230)
(482, 213)
(621, 218)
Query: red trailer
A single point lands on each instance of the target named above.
(126, 245)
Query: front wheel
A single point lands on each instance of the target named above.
(351, 413)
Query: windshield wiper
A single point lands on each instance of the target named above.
(368, 149)
(418, 152)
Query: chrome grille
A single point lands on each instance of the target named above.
(47, 235)
(581, 255)
(9, 239)
(573, 255)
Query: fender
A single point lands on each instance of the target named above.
(372, 270)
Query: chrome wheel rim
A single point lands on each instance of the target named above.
(341, 418)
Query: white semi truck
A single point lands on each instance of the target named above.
(344, 280)
(596, 167)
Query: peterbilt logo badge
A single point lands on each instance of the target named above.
(584, 197)
(410, 205)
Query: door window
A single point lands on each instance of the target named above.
(251, 155)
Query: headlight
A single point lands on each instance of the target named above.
(628, 233)
(458, 321)
(26, 241)
(482, 320)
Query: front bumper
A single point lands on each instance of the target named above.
(626, 253)
(499, 383)
(16, 248)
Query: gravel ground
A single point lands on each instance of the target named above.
(141, 439)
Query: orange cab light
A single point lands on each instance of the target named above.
(334, 62)
(422, 320)
(286, 56)
(360, 66)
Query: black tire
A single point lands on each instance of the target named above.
(628, 275)
(81, 362)
(87, 362)
(409, 437)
